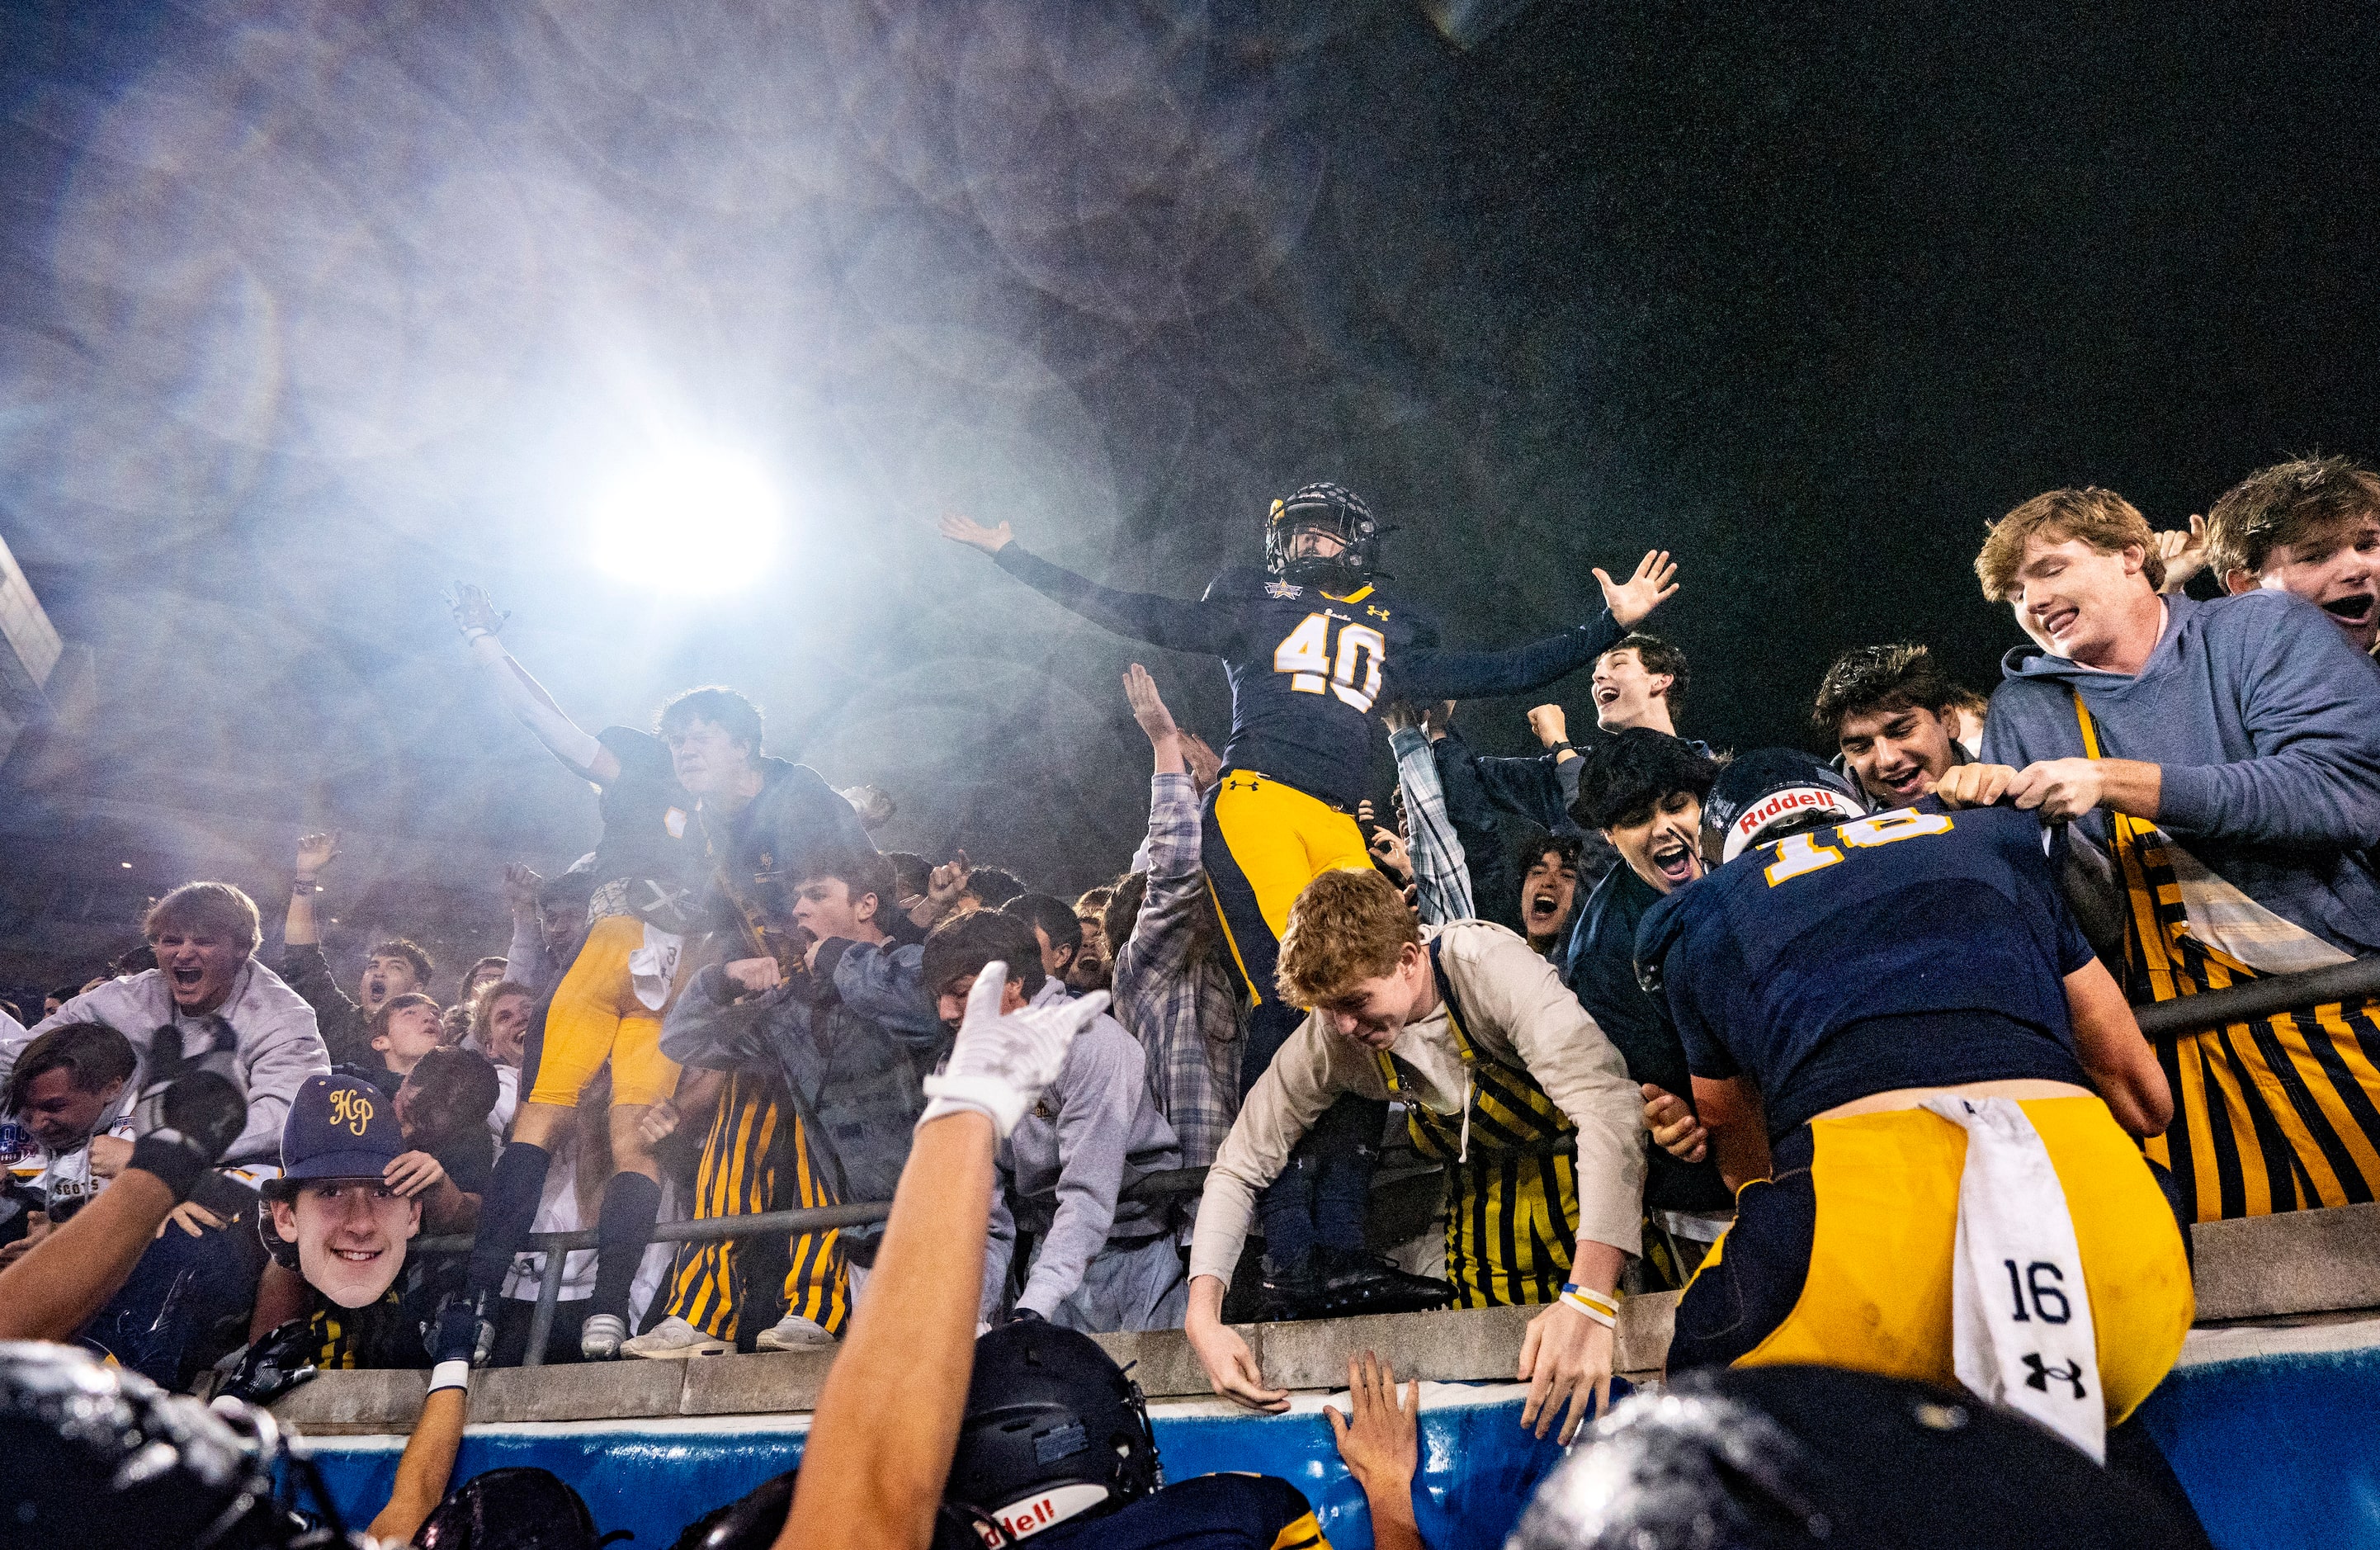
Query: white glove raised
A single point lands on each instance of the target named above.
(1000, 1064)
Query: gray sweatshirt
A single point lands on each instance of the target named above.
(278, 1045)
(2266, 723)
(1096, 1131)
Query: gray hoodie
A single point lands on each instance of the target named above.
(1095, 1133)
(278, 1045)
(2266, 724)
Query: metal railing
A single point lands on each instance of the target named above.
(2164, 1019)
(556, 1246)
(2277, 993)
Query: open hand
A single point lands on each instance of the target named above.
(412, 1172)
(960, 529)
(1205, 764)
(1653, 584)
(315, 852)
(192, 1218)
(1565, 1357)
(1380, 1440)
(1675, 1129)
(1000, 1061)
(474, 610)
(1148, 706)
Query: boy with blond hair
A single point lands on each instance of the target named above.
(1504, 1076)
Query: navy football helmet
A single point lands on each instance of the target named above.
(1335, 509)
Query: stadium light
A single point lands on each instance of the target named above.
(694, 519)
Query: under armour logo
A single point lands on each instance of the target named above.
(2071, 1373)
(1377, 613)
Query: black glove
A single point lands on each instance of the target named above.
(455, 1335)
(272, 1366)
(203, 1115)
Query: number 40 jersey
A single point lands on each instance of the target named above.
(1307, 669)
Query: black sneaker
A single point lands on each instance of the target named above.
(1354, 1282)
(1286, 1295)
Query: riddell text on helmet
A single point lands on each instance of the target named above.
(1784, 801)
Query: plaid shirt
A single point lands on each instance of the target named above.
(1442, 881)
(1175, 995)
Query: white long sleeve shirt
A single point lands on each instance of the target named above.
(1518, 1013)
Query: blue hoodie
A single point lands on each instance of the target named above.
(2267, 724)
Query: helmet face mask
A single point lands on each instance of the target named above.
(1331, 508)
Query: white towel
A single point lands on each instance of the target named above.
(2021, 1329)
(653, 967)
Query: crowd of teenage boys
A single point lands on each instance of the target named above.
(1627, 1000)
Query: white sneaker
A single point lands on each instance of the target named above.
(794, 1333)
(601, 1336)
(673, 1339)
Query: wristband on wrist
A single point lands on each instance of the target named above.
(474, 634)
(1561, 747)
(304, 886)
(450, 1373)
(1604, 1310)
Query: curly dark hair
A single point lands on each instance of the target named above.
(1892, 677)
(1631, 769)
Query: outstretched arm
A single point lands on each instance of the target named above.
(476, 618)
(298, 928)
(873, 1473)
(1446, 675)
(1161, 621)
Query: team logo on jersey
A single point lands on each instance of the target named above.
(675, 822)
(1284, 589)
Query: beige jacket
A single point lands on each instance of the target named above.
(1519, 1014)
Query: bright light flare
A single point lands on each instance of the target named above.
(698, 520)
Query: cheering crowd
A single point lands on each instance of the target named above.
(1630, 1000)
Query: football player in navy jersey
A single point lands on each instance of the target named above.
(1833, 981)
(1312, 643)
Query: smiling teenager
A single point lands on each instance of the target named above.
(1891, 711)
(2225, 755)
(207, 1005)
(2310, 528)
(1507, 1081)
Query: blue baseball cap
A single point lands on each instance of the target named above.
(339, 1127)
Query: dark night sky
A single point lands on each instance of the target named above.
(300, 320)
